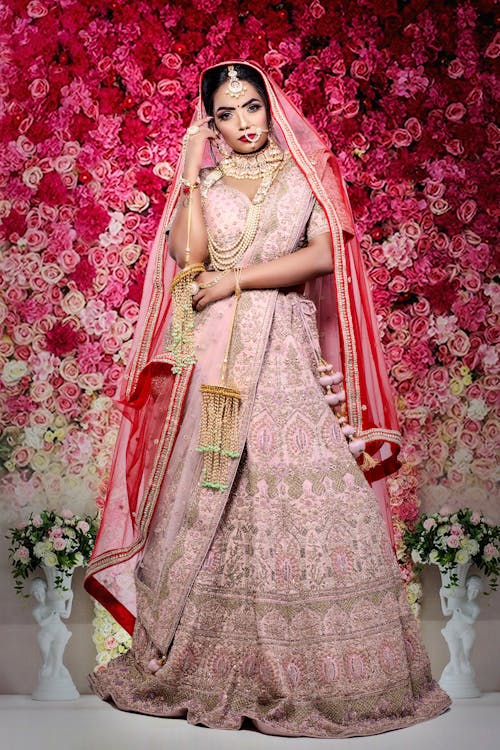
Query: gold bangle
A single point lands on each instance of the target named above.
(213, 282)
(190, 185)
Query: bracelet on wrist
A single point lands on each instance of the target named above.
(188, 187)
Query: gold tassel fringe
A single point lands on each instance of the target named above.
(220, 407)
(368, 462)
(181, 289)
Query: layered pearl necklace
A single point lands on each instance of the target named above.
(265, 164)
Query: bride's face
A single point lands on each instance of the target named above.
(238, 120)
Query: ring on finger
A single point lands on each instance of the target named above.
(194, 289)
(193, 130)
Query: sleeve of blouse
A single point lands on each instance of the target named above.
(318, 223)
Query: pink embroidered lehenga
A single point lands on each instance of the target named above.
(279, 599)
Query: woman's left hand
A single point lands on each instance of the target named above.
(223, 288)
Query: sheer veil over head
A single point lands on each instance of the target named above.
(349, 340)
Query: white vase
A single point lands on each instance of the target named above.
(53, 604)
(458, 572)
(457, 602)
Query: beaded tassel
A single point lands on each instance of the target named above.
(220, 407)
(219, 430)
(182, 343)
(337, 400)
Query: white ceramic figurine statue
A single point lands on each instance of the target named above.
(54, 680)
(458, 678)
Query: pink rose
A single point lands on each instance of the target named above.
(471, 280)
(455, 111)
(36, 9)
(67, 514)
(32, 176)
(459, 344)
(439, 206)
(351, 109)
(168, 87)
(467, 210)
(316, 9)
(490, 551)
(439, 452)
(59, 544)
(456, 68)
(474, 97)
(401, 138)
(37, 521)
(22, 554)
(456, 530)
(414, 127)
(434, 189)
(429, 524)
(274, 59)
(455, 147)
(39, 88)
(453, 542)
(359, 69)
(83, 526)
(172, 61)
(22, 456)
(56, 532)
(475, 518)
(41, 391)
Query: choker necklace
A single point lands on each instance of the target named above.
(253, 166)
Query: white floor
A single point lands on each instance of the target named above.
(89, 723)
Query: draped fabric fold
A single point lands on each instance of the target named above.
(154, 400)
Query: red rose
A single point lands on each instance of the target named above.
(455, 111)
(359, 69)
(274, 59)
(456, 68)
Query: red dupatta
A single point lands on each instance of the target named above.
(349, 340)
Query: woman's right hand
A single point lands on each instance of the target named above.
(195, 147)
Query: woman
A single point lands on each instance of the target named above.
(241, 542)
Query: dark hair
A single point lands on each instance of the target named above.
(215, 77)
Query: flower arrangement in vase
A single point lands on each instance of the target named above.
(453, 539)
(56, 541)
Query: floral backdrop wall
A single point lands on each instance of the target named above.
(94, 99)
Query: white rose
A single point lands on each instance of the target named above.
(42, 548)
(462, 556)
(415, 556)
(433, 557)
(49, 559)
(13, 371)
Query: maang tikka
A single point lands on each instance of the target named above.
(235, 87)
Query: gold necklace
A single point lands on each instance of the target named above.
(253, 166)
(223, 259)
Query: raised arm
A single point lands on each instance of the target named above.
(178, 239)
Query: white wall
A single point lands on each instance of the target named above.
(20, 658)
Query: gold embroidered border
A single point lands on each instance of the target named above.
(143, 349)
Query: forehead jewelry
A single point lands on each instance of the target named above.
(235, 87)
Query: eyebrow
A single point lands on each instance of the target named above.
(253, 99)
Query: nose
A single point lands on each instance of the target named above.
(242, 119)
